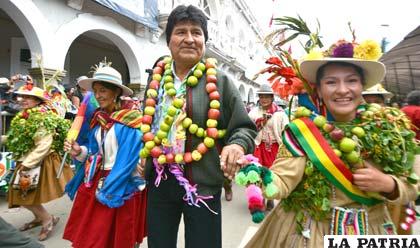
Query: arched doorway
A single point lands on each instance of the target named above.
(251, 96)
(242, 92)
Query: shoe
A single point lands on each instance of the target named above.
(270, 205)
(30, 225)
(47, 229)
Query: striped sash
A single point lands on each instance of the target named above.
(316, 147)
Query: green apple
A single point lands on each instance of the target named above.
(167, 60)
(178, 103)
(149, 145)
(157, 77)
(320, 121)
(164, 127)
(171, 92)
(168, 72)
(200, 132)
(161, 134)
(221, 133)
(167, 66)
(211, 71)
(149, 110)
(198, 73)
(161, 159)
(193, 128)
(209, 142)
(152, 93)
(201, 66)
(179, 158)
(145, 128)
(211, 123)
(192, 81)
(172, 111)
(359, 132)
(186, 122)
(168, 79)
(196, 155)
(168, 86)
(144, 153)
(352, 157)
(215, 104)
(157, 140)
(337, 152)
(347, 145)
(168, 119)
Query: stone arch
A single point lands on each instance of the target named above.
(107, 27)
(251, 95)
(33, 25)
(242, 92)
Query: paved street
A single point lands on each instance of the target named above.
(236, 220)
(237, 224)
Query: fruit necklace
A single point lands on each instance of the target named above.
(163, 73)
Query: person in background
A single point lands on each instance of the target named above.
(377, 94)
(183, 168)
(412, 110)
(35, 138)
(110, 205)
(270, 120)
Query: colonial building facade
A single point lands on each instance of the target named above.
(73, 35)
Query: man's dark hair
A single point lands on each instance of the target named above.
(184, 13)
(413, 98)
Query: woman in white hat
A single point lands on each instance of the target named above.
(35, 138)
(270, 120)
(109, 208)
(377, 94)
(322, 180)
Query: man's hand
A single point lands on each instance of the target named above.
(229, 159)
(72, 147)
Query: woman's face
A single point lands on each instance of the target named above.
(106, 97)
(341, 89)
(28, 102)
(266, 100)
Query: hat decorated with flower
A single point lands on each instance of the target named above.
(30, 90)
(378, 89)
(105, 73)
(364, 55)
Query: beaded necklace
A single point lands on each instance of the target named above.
(163, 73)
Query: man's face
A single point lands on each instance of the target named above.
(187, 43)
(374, 99)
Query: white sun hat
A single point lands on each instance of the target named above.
(378, 89)
(106, 74)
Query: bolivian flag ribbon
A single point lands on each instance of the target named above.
(324, 158)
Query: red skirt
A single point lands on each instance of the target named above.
(92, 224)
(266, 153)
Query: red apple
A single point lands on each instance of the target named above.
(147, 119)
(213, 114)
(150, 102)
(154, 84)
(202, 148)
(210, 87)
(170, 158)
(214, 95)
(337, 134)
(157, 70)
(148, 136)
(161, 64)
(212, 132)
(211, 79)
(188, 157)
(210, 65)
(328, 127)
(156, 152)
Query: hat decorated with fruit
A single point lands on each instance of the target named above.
(105, 73)
(30, 90)
(378, 89)
(364, 55)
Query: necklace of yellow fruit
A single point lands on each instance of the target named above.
(345, 148)
(163, 72)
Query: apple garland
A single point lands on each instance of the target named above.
(379, 133)
(163, 73)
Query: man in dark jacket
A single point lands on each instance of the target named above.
(199, 117)
(10, 237)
